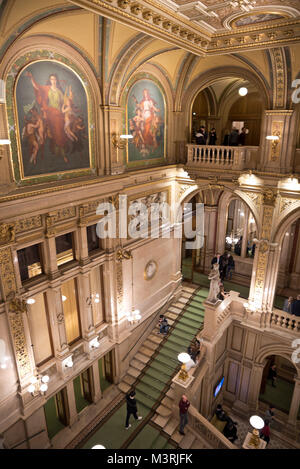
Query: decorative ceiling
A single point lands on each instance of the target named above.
(217, 16)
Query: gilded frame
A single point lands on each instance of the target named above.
(12, 117)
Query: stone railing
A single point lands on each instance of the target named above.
(281, 320)
(202, 427)
(214, 156)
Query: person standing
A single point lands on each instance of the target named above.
(131, 408)
(296, 306)
(234, 137)
(212, 137)
(242, 136)
(273, 375)
(201, 136)
(230, 266)
(270, 413)
(265, 432)
(287, 305)
(184, 405)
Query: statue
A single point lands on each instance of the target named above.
(214, 289)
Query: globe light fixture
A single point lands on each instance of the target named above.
(257, 423)
(98, 447)
(38, 385)
(243, 91)
(30, 301)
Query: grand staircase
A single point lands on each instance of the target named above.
(152, 369)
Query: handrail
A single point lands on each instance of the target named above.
(202, 427)
(27, 439)
(155, 319)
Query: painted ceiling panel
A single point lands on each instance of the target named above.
(119, 36)
(259, 60)
(78, 27)
(152, 49)
(171, 62)
(20, 10)
(204, 65)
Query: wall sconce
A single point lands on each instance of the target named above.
(68, 363)
(38, 385)
(94, 343)
(275, 140)
(120, 142)
(3, 142)
(135, 316)
(94, 297)
(184, 358)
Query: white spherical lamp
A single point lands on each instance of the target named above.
(243, 91)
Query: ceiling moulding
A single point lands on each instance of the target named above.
(154, 18)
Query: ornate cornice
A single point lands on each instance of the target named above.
(152, 17)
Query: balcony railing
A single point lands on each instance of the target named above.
(214, 156)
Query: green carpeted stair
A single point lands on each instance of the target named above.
(154, 379)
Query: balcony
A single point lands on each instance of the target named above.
(221, 157)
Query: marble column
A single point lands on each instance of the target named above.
(50, 258)
(114, 156)
(295, 403)
(210, 228)
(85, 308)
(73, 415)
(96, 381)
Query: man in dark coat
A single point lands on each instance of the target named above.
(296, 306)
(131, 408)
(234, 138)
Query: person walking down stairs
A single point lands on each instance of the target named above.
(184, 405)
(131, 408)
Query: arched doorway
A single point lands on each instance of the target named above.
(229, 229)
(278, 391)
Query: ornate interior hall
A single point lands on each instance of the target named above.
(149, 166)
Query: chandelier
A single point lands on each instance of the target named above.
(246, 5)
(38, 385)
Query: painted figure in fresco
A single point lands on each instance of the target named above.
(69, 113)
(50, 99)
(145, 126)
(29, 133)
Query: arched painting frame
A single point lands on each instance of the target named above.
(146, 122)
(52, 135)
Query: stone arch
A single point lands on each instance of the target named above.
(281, 350)
(44, 47)
(206, 79)
(285, 219)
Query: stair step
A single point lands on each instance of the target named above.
(150, 344)
(185, 294)
(175, 310)
(159, 442)
(182, 335)
(154, 383)
(133, 372)
(193, 310)
(137, 364)
(143, 399)
(149, 392)
(199, 444)
(159, 367)
(171, 316)
(183, 300)
(124, 387)
(170, 354)
(179, 340)
(173, 346)
(164, 411)
(146, 351)
(187, 441)
(177, 437)
(185, 328)
(171, 395)
(154, 337)
(129, 379)
(189, 322)
(167, 401)
(142, 358)
(165, 361)
(188, 289)
(158, 374)
(171, 426)
(161, 420)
